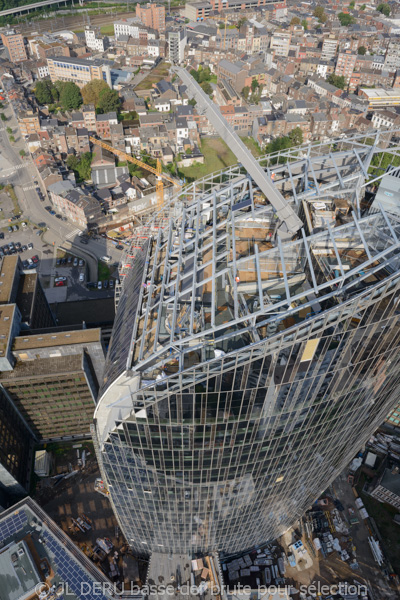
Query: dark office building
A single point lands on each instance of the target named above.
(16, 449)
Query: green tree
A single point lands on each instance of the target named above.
(222, 25)
(205, 75)
(241, 22)
(192, 102)
(254, 85)
(362, 50)
(109, 101)
(337, 80)
(12, 138)
(296, 136)
(3, 117)
(207, 89)
(363, 6)
(295, 21)
(345, 19)
(352, 4)
(195, 75)
(22, 153)
(246, 92)
(92, 90)
(384, 8)
(304, 24)
(318, 12)
(9, 130)
(44, 92)
(81, 166)
(70, 96)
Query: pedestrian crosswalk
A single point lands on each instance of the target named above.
(29, 187)
(73, 233)
(11, 170)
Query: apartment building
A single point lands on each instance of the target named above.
(329, 47)
(78, 70)
(94, 41)
(14, 42)
(280, 43)
(103, 124)
(75, 204)
(346, 62)
(176, 45)
(151, 15)
(28, 122)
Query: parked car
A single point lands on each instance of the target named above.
(48, 208)
(30, 246)
(58, 216)
(1, 235)
(60, 283)
(60, 279)
(10, 229)
(75, 262)
(105, 284)
(99, 285)
(119, 247)
(81, 277)
(69, 260)
(15, 227)
(24, 248)
(111, 284)
(106, 258)
(52, 212)
(35, 259)
(81, 263)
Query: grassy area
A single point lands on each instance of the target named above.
(213, 79)
(107, 29)
(161, 71)
(10, 191)
(383, 515)
(253, 146)
(217, 156)
(103, 271)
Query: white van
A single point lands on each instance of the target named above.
(106, 258)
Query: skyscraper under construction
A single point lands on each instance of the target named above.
(248, 363)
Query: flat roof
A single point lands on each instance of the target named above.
(18, 573)
(44, 340)
(6, 321)
(46, 548)
(7, 274)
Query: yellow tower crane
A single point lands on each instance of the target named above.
(156, 171)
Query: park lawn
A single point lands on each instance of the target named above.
(252, 146)
(161, 71)
(107, 29)
(103, 271)
(217, 156)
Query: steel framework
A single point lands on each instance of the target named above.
(243, 371)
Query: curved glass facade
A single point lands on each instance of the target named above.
(251, 370)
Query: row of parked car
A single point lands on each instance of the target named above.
(75, 261)
(14, 248)
(107, 283)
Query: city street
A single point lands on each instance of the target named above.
(21, 173)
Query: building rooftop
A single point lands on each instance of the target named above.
(8, 273)
(46, 340)
(35, 550)
(215, 277)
